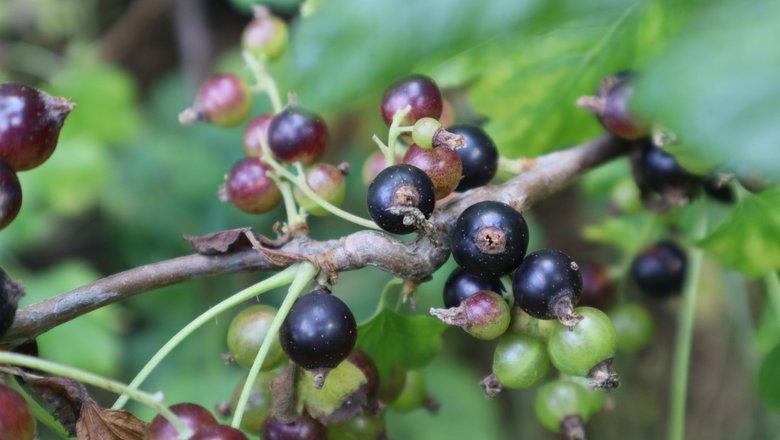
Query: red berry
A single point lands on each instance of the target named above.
(218, 432)
(598, 289)
(256, 133)
(441, 164)
(191, 415)
(16, 420)
(417, 91)
(305, 428)
(249, 187)
(10, 195)
(374, 165)
(30, 123)
(223, 100)
(297, 134)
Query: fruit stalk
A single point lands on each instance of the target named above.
(265, 82)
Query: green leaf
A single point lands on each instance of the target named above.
(341, 383)
(390, 339)
(768, 385)
(627, 232)
(746, 240)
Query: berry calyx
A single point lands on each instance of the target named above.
(441, 164)
(612, 107)
(266, 36)
(250, 188)
(484, 315)
(519, 361)
(297, 135)
(396, 194)
(192, 416)
(10, 293)
(634, 326)
(461, 285)
(246, 333)
(16, 419)
(259, 404)
(548, 285)
(417, 91)
(10, 195)
(659, 271)
(562, 407)
(328, 182)
(223, 100)
(489, 239)
(218, 432)
(598, 289)
(30, 124)
(255, 134)
(304, 428)
(479, 156)
(319, 332)
(659, 172)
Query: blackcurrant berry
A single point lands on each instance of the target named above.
(218, 432)
(10, 293)
(441, 164)
(719, 190)
(247, 332)
(304, 428)
(192, 416)
(413, 394)
(479, 157)
(327, 182)
(223, 100)
(548, 285)
(319, 332)
(16, 419)
(417, 91)
(296, 134)
(255, 134)
(10, 195)
(400, 187)
(266, 35)
(519, 361)
(598, 289)
(461, 285)
(563, 406)
(259, 405)
(361, 360)
(249, 187)
(612, 107)
(489, 239)
(484, 315)
(659, 172)
(634, 326)
(30, 123)
(659, 271)
(363, 427)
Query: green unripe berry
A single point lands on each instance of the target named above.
(520, 360)
(247, 332)
(576, 351)
(634, 326)
(596, 397)
(266, 36)
(327, 182)
(423, 131)
(413, 394)
(559, 400)
(259, 404)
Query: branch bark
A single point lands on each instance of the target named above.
(412, 260)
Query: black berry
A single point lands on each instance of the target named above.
(249, 187)
(548, 285)
(659, 270)
(10, 293)
(304, 428)
(611, 106)
(719, 190)
(479, 157)
(660, 173)
(223, 100)
(396, 189)
(10, 195)
(297, 134)
(461, 285)
(489, 239)
(191, 415)
(417, 91)
(598, 289)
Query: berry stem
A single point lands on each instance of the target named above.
(385, 294)
(293, 217)
(154, 401)
(393, 132)
(682, 349)
(278, 280)
(264, 81)
(304, 273)
(39, 412)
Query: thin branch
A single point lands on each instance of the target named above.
(413, 260)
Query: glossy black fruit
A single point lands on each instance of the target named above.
(297, 134)
(10, 195)
(10, 293)
(660, 172)
(461, 285)
(547, 284)
(659, 270)
(479, 157)
(305, 428)
(319, 332)
(191, 415)
(417, 91)
(400, 186)
(489, 239)
(720, 191)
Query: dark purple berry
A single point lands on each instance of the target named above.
(250, 188)
(479, 157)
(10, 195)
(417, 91)
(441, 164)
(297, 134)
(659, 270)
(598, 289)
(16, 419)
(256, 133)
(191, 415)
(218, 432)
(484, 315)
(305, 428)
(223, 100)
(10, 293)
(660, 173)
(400, 187)
(361, 360)
(719, 190)
(548, 285)
(461, 285)
(30, 123)
(611, 106)
(489, 239)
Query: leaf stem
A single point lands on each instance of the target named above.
(305, 272)
(265, 82)
(278, 280)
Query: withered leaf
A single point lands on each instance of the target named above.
(232, 240)
(98, 423)
(66, 396)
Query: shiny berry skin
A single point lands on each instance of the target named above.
(660, 172)
(520, 360)
(30, 124)
(266, 36)
(484, 315)
(576, 351)
(250, 188)
(327, 182)
(544, 280)
(424, 130)
(10, 293)
(611, 106)
(16, 419)
(403, 186)
(489, 239)
(413, 394)
(479, 157)
(441, 164)
(296, 134)
(659, 271)
(218, 432)
(10, 195)
(305, 428)
(191, 415)
(223, 100)
(246, 333)
(362, 427)
(461, 285)
(319, 332)
(558, 400)
(634, 326)
(255, 133)
(596, 397)
(417, 91)
(258, 407)
(598, 289)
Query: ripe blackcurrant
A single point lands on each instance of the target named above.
(659, 270)
(548, 285)
(296, 134)
(249, 187)
(634, 326)
(304, 428)
(259, 405)
(362, 427)
(319, 332)
(246, 333)
(191, 415)
(417, 91)
(598, 289)
(218, 432)
(266, 35)
(461, 285)
(441, 164)
(489, 239)
(719, 190)
(256, 133)
(484, 315)
(400, 187)
(16, 419)
(30, 123)
(10, 293)
(519, 361)
(660, 173)
(10, 195)
(563, 406)
(328, 182)
(223, 100)
(612, 107)
(479, 157)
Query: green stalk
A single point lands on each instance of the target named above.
(772, 284)
(682, 349)
(278, 280)
(393, 132)
(265, 82)
(293, 217)
(305, 273)
(40, 413)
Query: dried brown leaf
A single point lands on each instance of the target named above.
(97, 423)
(232, 240)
